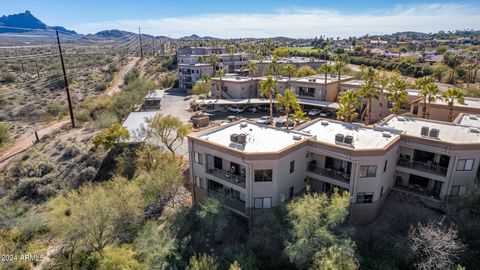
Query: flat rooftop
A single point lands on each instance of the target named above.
(233, 79)
(260, 138)
(472, 120)
(135, 122)
(320, 79)
(448, 132)
(364, 138)
(155, 94)
(194, 64)
(469, 102)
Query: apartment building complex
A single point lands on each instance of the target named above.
(439, 108)
(260, 166)
(193, 62)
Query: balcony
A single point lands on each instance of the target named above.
(227, 177)
(428, 167)
(330, 173)
(418, 190)
(235, 204)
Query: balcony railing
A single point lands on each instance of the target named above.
(228, 177)
(418, 190)
(428, 167)
(330, 173)
(235, 204)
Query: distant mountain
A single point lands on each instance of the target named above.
(25, 22)
(195, 37)
(113, 34)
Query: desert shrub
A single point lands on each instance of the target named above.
(70, 151)
(105, 119)
(33, 189)
(6, 77)
(132, 75)
(83, 176)
(119, 257)
(30, 225)
(55, 110)
(56, 81)
(4, 134)
(101, 86)
(82, 115)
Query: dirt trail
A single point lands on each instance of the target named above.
(25, 141)
(118, 81)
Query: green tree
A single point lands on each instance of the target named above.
(288, 70)
(325, 69)
(269, 88)
(119, 258)
(453, 61)
(287, 101)
(280, 52)
(369, 91)
(299, 116)
(450, 96)
(339, 67)
(202, 89)
(202, 262)
(110, 137)
(97, 215)
(168, 129)
(156, 247)
(305, 71)
(397, 93)
(206, 77)
(220, 74)
(316, 221)
(336, 257)
(349, 102)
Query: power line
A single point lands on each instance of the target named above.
(66, 82)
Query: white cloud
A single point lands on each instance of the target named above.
(304, 23)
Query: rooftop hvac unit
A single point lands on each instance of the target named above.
(434, 133)
(474, 130)
(401, 119)
(386, 134)
(297, 137)
(424, 131)
(234, 138)
(242, 138)
(243, 124)
(339, 137)
(348, 139)
(324, 123)
(472, 117)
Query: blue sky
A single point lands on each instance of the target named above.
(249, 18)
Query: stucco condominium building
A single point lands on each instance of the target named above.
(190, 67)
(439, 108)
(261, 166)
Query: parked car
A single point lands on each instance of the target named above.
(232, 118)
(264, 120)
(187, 97)
(253, 109)
(314, 112)
(282, 123)
(235, 109)
(264, 108)
(326, 114)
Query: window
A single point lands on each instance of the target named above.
(263, 175)
(200, 182)
(263, 202)
(385, 166)
(465, 165)
(292, 166)
(455, 190)
(365, 197)
(368, 171)
(198, 158)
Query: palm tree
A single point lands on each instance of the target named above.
(452, 61)
(339, 67)
(325, 69)
(287, 101)
(213, 60)
(382, 81)
(252, 68)
(220, 74)
(423, 84)
(369, 91)
(269, 87)
(289, 70)
(450, 96)
(206, 77)
(397, 93)
(432, 96)
(299, 116)
(349, 102)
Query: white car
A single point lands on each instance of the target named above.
(314, 112)
(235, 109)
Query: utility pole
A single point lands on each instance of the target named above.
(141, 49)
(36, 64)
(23, 69)
(66, 81)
